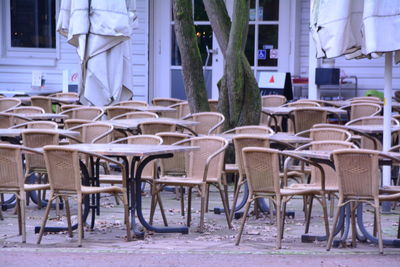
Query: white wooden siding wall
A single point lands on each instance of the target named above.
(369, 72)
(19, 77)
(140, 52)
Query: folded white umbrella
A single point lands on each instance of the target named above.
(100, 30)
(360, 29)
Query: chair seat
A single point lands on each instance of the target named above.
(33, 187)
(182, 181)
(390, 193)
(231, 168)
(94, 189)
(313, 186)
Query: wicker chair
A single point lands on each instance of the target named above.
(136, 115)
(271, 101)
(8, 103)
(209, 122)
(43, 102)
(94, 132)
(70, 106)
(304, 118)
(182, 110)
(114, 111)
(203, 167)
(240, 142)
(85, 113)
(357, 172)
(12, 180)
(303, 104)
(154, 127)
(26, 110)
(366, 98)
(262, 172)
(250, 129)
(72, 123)
(213, 104)
(325, 134)
(166, 102)
(8, 120)
(132, 103)
(65, 94)
(65, 181)
(359, 110)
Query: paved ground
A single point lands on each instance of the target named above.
(105, 245)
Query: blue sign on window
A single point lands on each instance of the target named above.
(262, 54)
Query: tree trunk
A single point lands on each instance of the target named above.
(239, 95)
(192, 67)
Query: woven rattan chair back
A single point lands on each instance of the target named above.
(132, 103)
(43, 102)
(242, 141)
(27, 110)
(213, 105)
(251, 129)
(70, 106)
(273, 100)
(371, 120)
(149, 170)
(12, 175)
(305, 118)
(367, 98)
(84, 113)
(36, 125)
(94, 132)
(165, 102)
(357, 173)
(182, 109)
(8, 103)
(72, 123)
(303, 103)
(37, 139)
(209, 122)
(114, 111)
(66, 95)
(8, 120)
(136, 115)
(359, 110)
(330, 175)
(262, 169)
(154, 127)
(176, 164)
(195, 161)
(326, 134)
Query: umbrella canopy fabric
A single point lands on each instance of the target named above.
(356, 28)
(100, 30)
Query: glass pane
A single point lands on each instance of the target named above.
(252, 11)
(267, 45)
(33, 23)
(178, 88)
(204, 41)
(200, 13)
(249, 49)
(268, 10)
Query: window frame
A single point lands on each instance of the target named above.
(20, 55)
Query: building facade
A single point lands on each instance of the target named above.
(278, 40)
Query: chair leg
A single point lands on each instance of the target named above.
(126, 217)
(46, 215)
(1, 214)
(332, 205)
(68, 214)
(331, 234)
(283, 214)
(378, 226)
(182, 200)
(22, 212)
(271, 209)
(353, 206)
(225, 204)
(189, 211)
(152, 206)
(80, 221)
(278, 222)
(203, 206)
(246, 211)
(235, 198)
(18, 209)
(160, 204)
(325, 214)
(309, 203)
(207, 197)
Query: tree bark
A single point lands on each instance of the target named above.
(239, 95)
(192, 67)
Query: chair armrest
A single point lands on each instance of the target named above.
(216, 153)
(215, 127)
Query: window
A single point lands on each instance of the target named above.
(32, 23)
(29, 32)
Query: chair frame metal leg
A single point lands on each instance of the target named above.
(46, 215)
(246, 211)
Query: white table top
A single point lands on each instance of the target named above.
(286, 110)
(370, 129)
(127, 124)
(30, 92)
(17, 132)
(130, 149)
(279, 137)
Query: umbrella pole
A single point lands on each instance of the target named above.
(387, 116)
